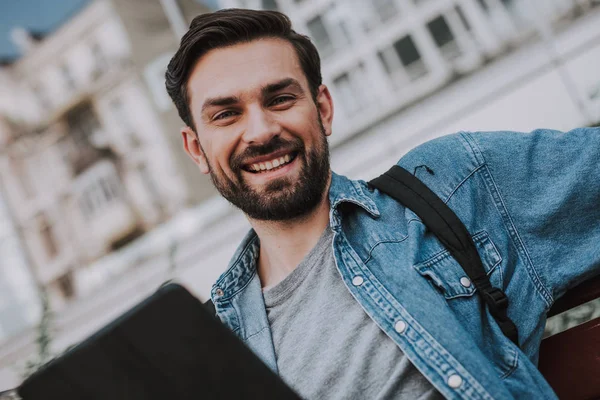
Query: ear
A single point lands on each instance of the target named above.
(191, 145)
(325, 107)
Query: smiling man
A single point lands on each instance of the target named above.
(270, 176)
(339, 288)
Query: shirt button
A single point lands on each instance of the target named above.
(466, 282)
(357, 280)
(454, 381)
(400, 326)
(219, 292)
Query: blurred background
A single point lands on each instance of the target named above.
(98, 203)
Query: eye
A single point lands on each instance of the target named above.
(224, 115)
(281, 100)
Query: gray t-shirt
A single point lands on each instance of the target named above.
(327, 347)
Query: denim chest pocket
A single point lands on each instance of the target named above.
(446, 274)
(449, 277)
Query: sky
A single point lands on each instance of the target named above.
(40, 15)
(37, 15)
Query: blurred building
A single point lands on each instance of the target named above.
(19, 299)
(89, 138)
(401, 72)
(405, 71)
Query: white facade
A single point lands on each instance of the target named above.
(84, 157)
(405, 71)
(19, 300)
(494, 71)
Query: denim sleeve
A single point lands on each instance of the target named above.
(549, 184)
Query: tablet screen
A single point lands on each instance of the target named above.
(167, 347)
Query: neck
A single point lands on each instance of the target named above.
(283, 244)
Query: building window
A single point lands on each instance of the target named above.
(319, 33)
(269, 5)
(120, 115)
(350, 88)
(403, 57)
(123, 119)
(86, 142)
(213, 5)
(151, 187)
(154, 73)
(42, 97)
(20, 167)
(463, 17)
(440, 31)
(407, 51)
(443, 37)
(88, 202)
(66, 286)
(85, 205)
(385, 9)
(67, 77)
(110, 189)
(100, 62)
(83, 125)
(47, 237)
(330, 31)
(98, 195)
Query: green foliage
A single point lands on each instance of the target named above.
(44, 338)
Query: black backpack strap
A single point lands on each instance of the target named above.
(449, 229)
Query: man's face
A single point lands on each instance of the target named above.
(260, 134)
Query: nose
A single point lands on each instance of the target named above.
(261, 126)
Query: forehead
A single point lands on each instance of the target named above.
(244, 67)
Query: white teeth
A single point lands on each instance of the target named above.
(268, 165)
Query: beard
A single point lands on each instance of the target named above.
(282, 199)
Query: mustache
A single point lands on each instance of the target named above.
(275, 144)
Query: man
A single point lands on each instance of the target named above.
(338, 287)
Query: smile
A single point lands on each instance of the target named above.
(271, 165)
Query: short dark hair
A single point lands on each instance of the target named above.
(226, 28)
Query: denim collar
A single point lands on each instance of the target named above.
(344, 190)
(242, 266)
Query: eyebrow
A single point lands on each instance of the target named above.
(280, 85)
(219, 102)
(266, 90)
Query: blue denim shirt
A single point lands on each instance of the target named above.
(532, 204)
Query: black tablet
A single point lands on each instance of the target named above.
(167, 347)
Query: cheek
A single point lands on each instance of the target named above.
(303, 122)
(222, 151)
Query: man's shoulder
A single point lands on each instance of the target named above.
(448, 155)
(465, 149)
(445, 162)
